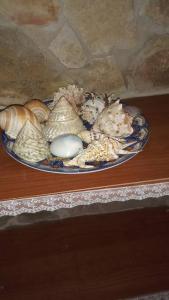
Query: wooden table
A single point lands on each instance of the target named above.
(106, 256)
(110, 256)
(23, 189)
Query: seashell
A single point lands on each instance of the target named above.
(73, 95)
(132, 110)
(14, 117)
(92, 107)
(139, 120)
(39, 109)
(30, 144)
(89, 136)
(62, 120)
(114, 121)
(143, 133)
(111, 98)
(104, 149)
(66, 146)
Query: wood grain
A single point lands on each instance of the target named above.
(151, 165)
(93, 257)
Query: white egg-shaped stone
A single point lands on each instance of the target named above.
(66, 146)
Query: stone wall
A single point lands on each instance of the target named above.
(119, 46)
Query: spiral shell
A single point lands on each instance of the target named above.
(92, 107)
(14, 117)
(62, 120)
(104, 149)
(73, 95)
(30, 144)
(89, 136)
(114, 121)
(39, 109)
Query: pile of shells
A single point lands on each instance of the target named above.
(40, 131)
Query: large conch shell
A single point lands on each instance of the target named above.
(114, 121)
(73, 95)
(14, 117)
(39, 109)
(30, 144)
(104, 149)
(62, 120)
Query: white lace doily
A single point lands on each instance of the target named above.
(53, 202)
(157, 296)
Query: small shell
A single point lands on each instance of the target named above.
(14, 117)
(62, 120)
(39, 109)
(30, 144)
(73, 95)
(92, 107)
(89, 136)
(66, 146)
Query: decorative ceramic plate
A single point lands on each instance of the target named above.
(139, 138)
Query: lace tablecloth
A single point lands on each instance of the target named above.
(53, 202)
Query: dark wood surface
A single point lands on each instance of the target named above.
(110, 256)
(151, 165)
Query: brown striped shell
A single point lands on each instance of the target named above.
(39, 109)
(13, 118)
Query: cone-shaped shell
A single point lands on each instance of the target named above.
(73, 95)
(114, 121)
(39, 109)
(14, 117)
(62, 120)
(30, 144)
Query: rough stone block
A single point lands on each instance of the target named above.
(158, 10)
(36, 12)
(150, 71)
(103, 24)
(101, 75)
(68, 49)
(26, 72)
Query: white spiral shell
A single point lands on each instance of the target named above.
(72, 93)
(63, 119)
